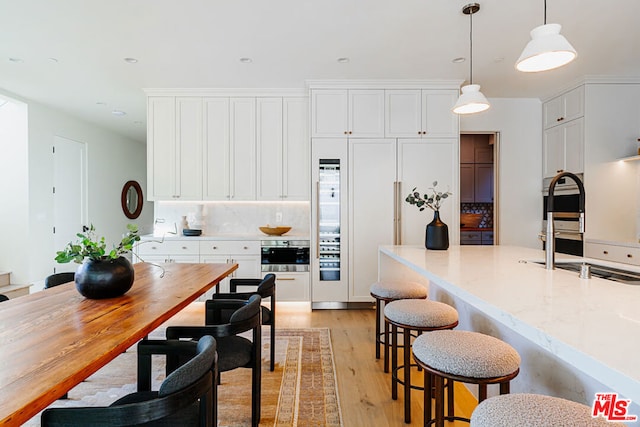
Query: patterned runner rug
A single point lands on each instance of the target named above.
(301, 391)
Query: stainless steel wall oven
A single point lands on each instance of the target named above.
(566, 218)
(285, 255)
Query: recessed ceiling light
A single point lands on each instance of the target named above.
(101, 103)
(498, 59)
(130, 60)
(458, 60)
(53, 59)
(137, 122)
(16, 60)
(118, 113)
(343, 60)
(246, 60)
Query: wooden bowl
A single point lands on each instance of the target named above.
(274, 231)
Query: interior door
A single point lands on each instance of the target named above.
(69, 194)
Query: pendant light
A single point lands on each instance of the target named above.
(547, 49)
(471, 100)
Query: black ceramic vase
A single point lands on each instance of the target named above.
(437, 234)
(105, 278)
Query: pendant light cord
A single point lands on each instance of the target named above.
(545, 12)
(471, 48)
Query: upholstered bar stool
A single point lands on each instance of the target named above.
(468, 357)
(413, 316)
(525, 410)
(385, 292)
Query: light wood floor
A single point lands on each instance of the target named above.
(364, 389)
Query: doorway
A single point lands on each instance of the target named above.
(478, 201)
(69, 194)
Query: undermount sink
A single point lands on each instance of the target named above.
(602, 272)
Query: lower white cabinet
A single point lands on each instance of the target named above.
(168, 251)
(246, 253)
(612, 252)
(292, 286)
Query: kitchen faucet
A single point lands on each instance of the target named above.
(550, 253)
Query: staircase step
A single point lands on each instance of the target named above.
(14, 291)
(5, 278)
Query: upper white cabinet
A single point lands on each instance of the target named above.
(355, 113)
(564, 108)
(563, 149)
(230, 145)
(174, 159)
(415, 113)
(219, 147)
(283, 148)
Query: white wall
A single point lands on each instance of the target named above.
(519, 122)
(112, 161)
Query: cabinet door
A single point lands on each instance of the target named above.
(438, 119)
(329, 113)
(216, 149)
(372, 176)
(269, 147)
(420, 163)
(467, 183)
(573, 134)
(467, 149)
(292, 286)
(553, 151)
(403, 113)
(483, 183)
(573, 104)
(552, 112)
(161, 119)
(366, 113)
(243, 148)
(188, 154)
(296, 149)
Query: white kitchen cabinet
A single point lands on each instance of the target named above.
(174, 157)
(467, 183)
(355, 113)
(230, 148)
(613, 251)
(246, 253)
(563, 148)
(372, 209)
(283, 148)
(420, 113)
(168, 251)
(292, 286)
(563, 108)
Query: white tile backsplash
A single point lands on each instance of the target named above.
(222, 218)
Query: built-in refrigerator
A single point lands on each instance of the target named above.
(329, 220)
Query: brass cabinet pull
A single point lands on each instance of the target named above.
(286, 278)
(605, 252)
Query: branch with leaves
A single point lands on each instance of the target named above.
(94, 248)
(432, 201)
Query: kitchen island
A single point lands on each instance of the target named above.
(576, 336)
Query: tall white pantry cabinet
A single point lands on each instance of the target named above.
(388, 139)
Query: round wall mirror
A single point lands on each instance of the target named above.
(132, 199)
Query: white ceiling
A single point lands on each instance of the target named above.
(198, 43)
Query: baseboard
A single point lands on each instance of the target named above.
(329, 305)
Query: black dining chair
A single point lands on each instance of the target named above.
(266, 288)
(58, 279)
(3, 298)
(234, 351)
(186, 397)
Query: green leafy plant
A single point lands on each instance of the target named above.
(92, 247)
(432, 201)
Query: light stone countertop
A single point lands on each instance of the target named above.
(593, 324)
(260, 236)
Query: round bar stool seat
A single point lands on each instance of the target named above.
(464, 356)
(413, 315)
(385, 292)
(525, 410)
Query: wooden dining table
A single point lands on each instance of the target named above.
(52, 340)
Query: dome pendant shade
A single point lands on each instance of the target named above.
(547, 50)
(471, 101)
